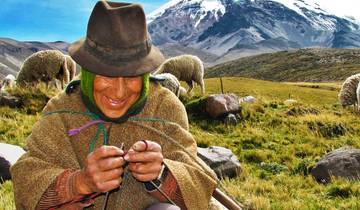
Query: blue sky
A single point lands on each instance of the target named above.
(51, 20)
(66, 20)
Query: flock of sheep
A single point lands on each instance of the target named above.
(53, 67)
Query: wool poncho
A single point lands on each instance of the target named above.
(51, 151)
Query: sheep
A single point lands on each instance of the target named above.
(347, 94)
(8, 82)
(170, 82)
(47, 66)
(188, 68)
(358, 97)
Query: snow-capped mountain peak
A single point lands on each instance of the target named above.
(216, 7)
(229, 27)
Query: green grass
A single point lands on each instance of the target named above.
(277, 144)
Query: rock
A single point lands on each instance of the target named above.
(221, 104)
(9, 154)
(4, 170)
(230, 119)
(216, 205)
(221, 160)
(247, 99)
(11, 101)
(290, 101)
(340, 163)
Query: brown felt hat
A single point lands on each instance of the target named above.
(117, 42)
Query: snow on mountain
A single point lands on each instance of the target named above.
(205, 6)
(226, 28)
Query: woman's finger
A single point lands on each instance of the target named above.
(144, 157)
(145, 168)
(104, 152)
(108, 186)
(108, 175)
(146, 145)
(145, 177)
(111, 163)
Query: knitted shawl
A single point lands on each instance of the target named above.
(51, 150)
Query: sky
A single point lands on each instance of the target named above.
(66, 20)
(52, 20)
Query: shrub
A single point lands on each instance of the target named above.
(273, 167)
(327, 130)
(301, 110)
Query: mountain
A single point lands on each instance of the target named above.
(303, 65)
(13, 53)
(231, 29)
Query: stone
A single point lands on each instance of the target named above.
(247, 99)
(10, 101)
(290, 101)
(216, 205)
(230, 119)
(4, 170)
(219, 105)
(9, 154)
(221, 160)
(342, 162)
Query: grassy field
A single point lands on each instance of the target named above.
(277, 144)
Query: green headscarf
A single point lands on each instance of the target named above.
(87, 93)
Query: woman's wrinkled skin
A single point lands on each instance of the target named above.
(104, 166)
(115, 95)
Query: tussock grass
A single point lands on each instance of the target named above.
(276, 149)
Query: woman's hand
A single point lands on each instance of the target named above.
(145, 160)
(102, 172)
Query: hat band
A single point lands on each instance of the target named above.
(119, 55)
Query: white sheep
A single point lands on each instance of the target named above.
(8, 82)
(170, 82)
(347, 94)
(358, 97)
(188, 68)
(47, 66)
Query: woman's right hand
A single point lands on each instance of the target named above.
(102, 172)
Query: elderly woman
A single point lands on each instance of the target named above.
(115, 139)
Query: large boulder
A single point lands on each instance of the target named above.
(9, 154)
(10, 101)
(230, 119)
(219, 105)
(221, 160)
(340, 163)
(247, 99)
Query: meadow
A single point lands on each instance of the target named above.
(277, 144)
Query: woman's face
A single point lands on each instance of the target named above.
(115, 95)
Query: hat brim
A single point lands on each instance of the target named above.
(133, 68)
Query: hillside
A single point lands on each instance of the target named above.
(13, 53)
(304, 65)
(277, 144)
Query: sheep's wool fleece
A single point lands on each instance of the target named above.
(51, 151)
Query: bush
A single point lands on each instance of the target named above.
(33, 98)
(301, 110)
(196, 107)
(327, 130)
(343, 191)
(303, 167)
(273, 167)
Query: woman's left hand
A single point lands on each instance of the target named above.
(145, 160)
